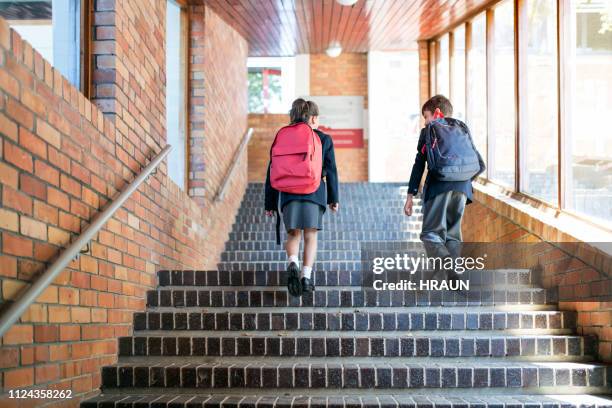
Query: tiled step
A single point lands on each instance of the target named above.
(347, 296)
(343, 344)
(369, 399)
(345, 319)
(329, 373)
(393, 234)
(356, 210)
(272, 246)
(355, 226)
(339, 218)
(321, 277)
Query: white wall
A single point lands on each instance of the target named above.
(393, 116)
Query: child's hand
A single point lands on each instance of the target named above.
(408, 206)
(334, 207)
(270, 213)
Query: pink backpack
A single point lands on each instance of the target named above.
(297, 160)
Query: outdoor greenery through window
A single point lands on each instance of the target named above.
(265, 90)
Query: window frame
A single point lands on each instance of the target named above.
(563, 14)
(184, 87)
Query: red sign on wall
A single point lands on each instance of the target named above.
(341, 117)
(345, 138)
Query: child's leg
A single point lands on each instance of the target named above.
(433, 230)
(310, 250)
(292, 245)
(454, 215)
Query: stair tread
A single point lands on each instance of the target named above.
(315, 396)
(508, 333)
(418, 362)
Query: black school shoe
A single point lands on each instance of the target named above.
(294, 285)
(307, 285)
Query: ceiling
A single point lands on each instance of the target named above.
(289, 27)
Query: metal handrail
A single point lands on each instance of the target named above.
(12, 313)
(228, 176)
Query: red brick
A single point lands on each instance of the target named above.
(46, 334)
(58, 199)
(33, 187)
(19, 113)
(49, 134)
(7, 126)
(18, 334)
(46, 172)
(19, 378)
(9, 176)
(33, 228)
(70, 332)
(46, 213)
(16, 245)
(32, 143)
(70, 186)
(47, 373)
(9, 357)
(18, 157)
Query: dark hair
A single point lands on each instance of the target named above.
(300, 111)
(313, 109)
(438, 101)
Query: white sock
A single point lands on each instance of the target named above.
(294, 258)
(306, 271)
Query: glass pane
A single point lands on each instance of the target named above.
(52, 28)
(458, 82)
(589, 183)
(477, 95)
(265, 90)
(174, 95)
(443, 67)
(502, 139)
(540, 140)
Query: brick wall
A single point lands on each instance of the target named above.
(352, 163)
(218, 112)
(62, 157)
(345, 75)
(264, 127)
(576, 271)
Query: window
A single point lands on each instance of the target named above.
(588, 144)
(53, 28)
(458, 76)
(176, 107)
(264, 89)
(272, 84)
(540, 141)
(477, 84)
(502, 123)
(443, 67)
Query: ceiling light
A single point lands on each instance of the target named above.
(334, 50)
(347, 2)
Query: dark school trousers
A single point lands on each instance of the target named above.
(441, 231)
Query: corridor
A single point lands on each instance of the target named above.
(138, 268)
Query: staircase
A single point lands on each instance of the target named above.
(234, 337)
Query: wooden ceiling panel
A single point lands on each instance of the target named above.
(289, 27)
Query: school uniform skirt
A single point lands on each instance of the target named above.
(298, 214)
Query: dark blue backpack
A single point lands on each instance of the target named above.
(451, 154)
